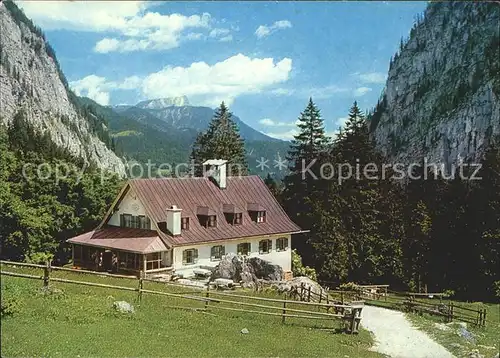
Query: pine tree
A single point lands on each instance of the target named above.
(357, 228)
(222, 140)
(306, 152)
(272, 185)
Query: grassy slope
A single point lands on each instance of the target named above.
(81, 322)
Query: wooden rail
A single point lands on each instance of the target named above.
(283, 305)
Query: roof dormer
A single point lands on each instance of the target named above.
(233, 214)
(206, 216)
(257, 212)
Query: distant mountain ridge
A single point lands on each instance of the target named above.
(142, 135)
(161, 103)
(177, 112)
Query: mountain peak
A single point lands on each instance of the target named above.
(161, 103)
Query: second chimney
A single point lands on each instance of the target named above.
(216, 169)
(174, 220)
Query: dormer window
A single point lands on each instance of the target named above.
(212, 221)
(206, 216)
(256, 212)
(233, 215)
(185, 223)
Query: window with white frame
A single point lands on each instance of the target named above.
(244, 248)
(265, 246)
(216, 252)
(138, 222)
(282, 244)
(189, 256)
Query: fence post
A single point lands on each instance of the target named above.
(46, 274)
(328, 303)
(140, 287)
(309, 294)
(451, 312)
(302, 291)
(207, 295)
(284, 311)
(484, 317)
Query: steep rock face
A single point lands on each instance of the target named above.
(441, 99)
(31, 82)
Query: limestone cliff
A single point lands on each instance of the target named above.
(31, 82)
(441, 100)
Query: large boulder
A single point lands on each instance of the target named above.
(296, 284)
(229, 267)
(247, 271)
(265, 270)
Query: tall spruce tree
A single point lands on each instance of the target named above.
(306, 151)
(222, 140)
(357, 231)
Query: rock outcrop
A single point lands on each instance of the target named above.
(32, 82)
(441, 100)
(247, 271)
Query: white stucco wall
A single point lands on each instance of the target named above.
(281, 258)
(129, 205)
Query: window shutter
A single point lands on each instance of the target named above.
(195, 255)
(122, 220)
(212, 252)
(261, 246)
(184, 257)
(222, 250)
(285, 240)
(269, 245)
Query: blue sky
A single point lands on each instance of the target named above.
(263, 58)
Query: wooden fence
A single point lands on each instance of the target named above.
(381, 295)
(349, 315)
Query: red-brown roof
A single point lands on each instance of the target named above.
(126, 239)
(190, 193)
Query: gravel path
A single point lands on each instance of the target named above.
(396, 337)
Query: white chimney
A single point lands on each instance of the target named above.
(174, 220)
(217, 170)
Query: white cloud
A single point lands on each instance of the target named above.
(270, 123)
(340, 122)
(107, 45)
(324, 92)
(135, 28)
(226, 80)
(263, 30)
(361, 91)
(371, 77)
(204, 84)
(92, 87)
(227, 38)
(287, 135)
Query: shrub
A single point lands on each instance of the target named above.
(496, 289)
(39, 258)
(10, 306)
(299, 269)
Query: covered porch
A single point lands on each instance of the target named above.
(121, 250)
